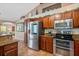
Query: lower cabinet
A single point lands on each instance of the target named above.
(12, 52)
(46, 43)
(1, 50)
(9, 49)
(76, 48)
(42, 43)
(49, 44)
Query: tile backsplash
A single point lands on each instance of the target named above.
(53, 31)
(75, 31)
(50, 30)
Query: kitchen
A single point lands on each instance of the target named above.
(57, 32)
(49, 28)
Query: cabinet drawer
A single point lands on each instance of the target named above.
(10, 46)
(13, 52)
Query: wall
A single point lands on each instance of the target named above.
(41, 6)
(19, 36)
(66, 4)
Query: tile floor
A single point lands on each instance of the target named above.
(23, 50)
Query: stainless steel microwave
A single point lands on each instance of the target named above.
(63, 24)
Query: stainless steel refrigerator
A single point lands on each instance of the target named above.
(33, 35)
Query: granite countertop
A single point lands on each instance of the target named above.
(7, 41)
(47, 36)
(5, 34)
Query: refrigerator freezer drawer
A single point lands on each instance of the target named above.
(34, 44)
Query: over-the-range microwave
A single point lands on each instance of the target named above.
(63, 24)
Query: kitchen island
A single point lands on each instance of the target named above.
(8, 46)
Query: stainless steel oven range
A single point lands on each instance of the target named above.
(64, 45)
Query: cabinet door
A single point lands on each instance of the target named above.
(1, 51)
(49, 44)
(58, 16)
(42, 43)
(76, 18)
(46, 22)
(76, 48)
(51, 21)
(67, 15)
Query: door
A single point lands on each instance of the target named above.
(33, 43)
(76, 18)
(76, 48)
(42, 43)
(46, 22)
(1, 51)
(49, 44)
(51, 22)
(46, 43)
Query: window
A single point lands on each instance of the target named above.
(3, 28)
(20, 27)
(52, 7)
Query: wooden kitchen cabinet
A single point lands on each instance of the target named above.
(76, 48)
(42, 43)
(11, 53)
(49, 44)
(9, 49)
(63, 16)
(67, 15)
(46, 43)
(76, 18)
(51, 21)
(46, 22)
(74, 15)
(59, 16)
(1, 51)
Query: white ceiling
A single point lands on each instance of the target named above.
(13, 11)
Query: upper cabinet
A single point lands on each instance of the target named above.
(48, 22)
(74, 15)
(59, 16)
(51, 21)
(76, 18)
(67, 15)
(63, 16)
